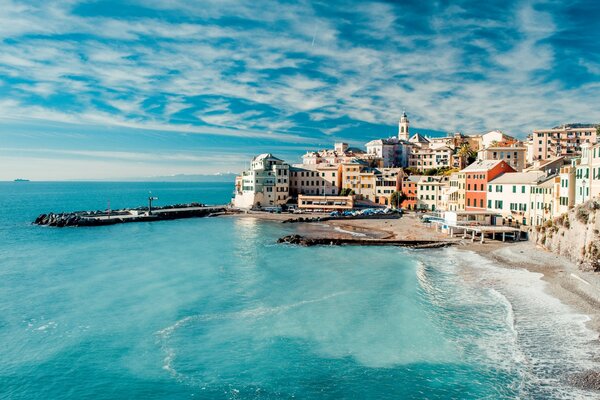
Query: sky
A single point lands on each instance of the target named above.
(117, 89)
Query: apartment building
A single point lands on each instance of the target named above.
(509, 194)
(456, 192)
(477, 177)
(565, 140)
(429, 192)
(393, 152)
(315, 179)
(266, 183)
(542, 201)
(409, 188)
(514, 154)
(566, 193)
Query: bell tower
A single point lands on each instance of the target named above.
(403, 127)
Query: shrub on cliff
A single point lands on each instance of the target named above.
(582, 215)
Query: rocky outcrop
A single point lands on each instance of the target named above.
(589, 380)
(308, 241)
(575, 235)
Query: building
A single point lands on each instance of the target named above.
(514, 154)
(565, 140)
(403, 126)
(326, 203)
(341, 153)
(393, 152)
(374, 185)
(387, 181)
(424, 157)
(566, 194)
(550, 166)
(409, 188)
(582, 175)
(477, 176)
(594, 160)
(315, 179)
(429, 192)
(542, 200)
(509, 195)
(265, 184)
(456, 192)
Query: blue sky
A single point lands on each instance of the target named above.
(113, 89)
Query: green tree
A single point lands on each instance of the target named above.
(346, 192)
(397, 198)
(467, 153)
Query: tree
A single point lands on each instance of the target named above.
(467, 153)
(346, 192)
(397, 198)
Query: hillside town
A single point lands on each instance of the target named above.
(517, 183)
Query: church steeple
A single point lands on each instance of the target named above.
(403, 127)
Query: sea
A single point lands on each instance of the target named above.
(214, 308)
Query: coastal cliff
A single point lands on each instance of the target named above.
(575, 235)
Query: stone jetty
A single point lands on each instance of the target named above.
(415, 244)
(140, 214)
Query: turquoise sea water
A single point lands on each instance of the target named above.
(213, 309)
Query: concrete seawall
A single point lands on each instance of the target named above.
(101, 218)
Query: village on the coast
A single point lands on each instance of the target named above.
(488, 179)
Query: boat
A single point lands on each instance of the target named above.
(21, 180)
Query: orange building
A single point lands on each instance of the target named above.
(477, 176)
(409, 188)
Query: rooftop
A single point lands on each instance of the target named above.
(482, 165)
(517, 177)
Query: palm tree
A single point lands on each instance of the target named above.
(466, 153)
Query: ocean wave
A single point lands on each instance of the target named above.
(542, 340)
(165, 334)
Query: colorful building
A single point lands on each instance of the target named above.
(477, 177)
(409, 188)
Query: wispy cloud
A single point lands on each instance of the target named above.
(298, 73)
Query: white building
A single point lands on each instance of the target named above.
(265, 184)
(392, 152)
(510, 195)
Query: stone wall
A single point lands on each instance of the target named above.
(575, 235)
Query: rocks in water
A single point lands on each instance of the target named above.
(415, 244)
(589, 380)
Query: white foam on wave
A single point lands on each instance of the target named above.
(356, 234)
(165, 334)
(550, 340)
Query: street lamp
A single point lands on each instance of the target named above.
(150, 199)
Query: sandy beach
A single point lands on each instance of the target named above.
(578, 289)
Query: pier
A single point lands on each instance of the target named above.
(474, 231)
(141, 214)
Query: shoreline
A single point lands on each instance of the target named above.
(577, 289)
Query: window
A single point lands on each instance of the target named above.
(489, 204)
(522, 189)
(514, 189)
(489, 188)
